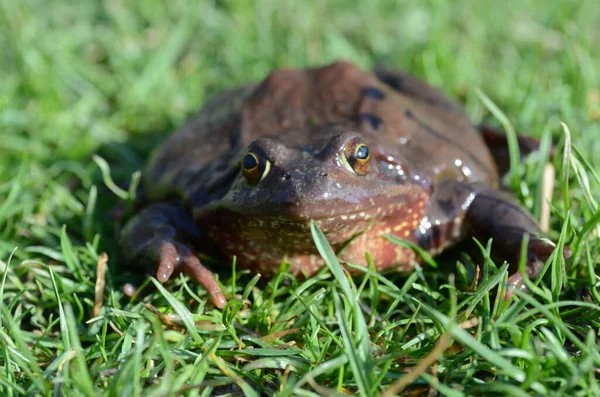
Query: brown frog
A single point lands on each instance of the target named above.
(362, 154)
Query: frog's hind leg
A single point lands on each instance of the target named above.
(459, 210)
(158, 239)
(416, 88)
(497, 143)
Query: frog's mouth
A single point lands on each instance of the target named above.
(289, 229)
(301, 202)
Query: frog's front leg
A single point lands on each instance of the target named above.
(160, 238)
(458, 210)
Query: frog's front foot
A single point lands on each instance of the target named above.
(174, 256)
(538, 253)
(154, 239)
(478, 210)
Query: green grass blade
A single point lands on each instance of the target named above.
(181, 310)
(511, 136)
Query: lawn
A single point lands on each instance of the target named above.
(88, 88)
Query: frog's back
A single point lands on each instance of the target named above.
(418, 134)
(430, 133)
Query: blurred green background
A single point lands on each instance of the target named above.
(76, 75)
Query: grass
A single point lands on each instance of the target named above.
(111, 78)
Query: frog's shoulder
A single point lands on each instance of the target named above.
(209, 137)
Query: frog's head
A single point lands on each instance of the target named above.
(331, 174)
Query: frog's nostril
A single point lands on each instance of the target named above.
(286, 176)
(323, 174)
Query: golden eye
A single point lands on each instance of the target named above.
(357, 156)
(255, 167)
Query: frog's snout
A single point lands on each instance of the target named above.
(302, 175)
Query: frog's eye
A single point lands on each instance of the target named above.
(356, 156)
(362, 152)
(250, 162)
(255, 167)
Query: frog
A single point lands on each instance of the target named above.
(363, 155)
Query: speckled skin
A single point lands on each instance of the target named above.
(429, 178)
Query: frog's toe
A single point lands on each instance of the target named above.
(515, 282)
(538, 253)
(129, 289)
(178, 256)
(169, 259)
(539, 250)
(205, 277)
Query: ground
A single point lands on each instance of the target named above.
(87, 89)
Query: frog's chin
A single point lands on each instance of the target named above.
(264, 242)
(283, 229)
(263, 236)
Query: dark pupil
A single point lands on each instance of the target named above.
(249, 162)
(362, 152)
